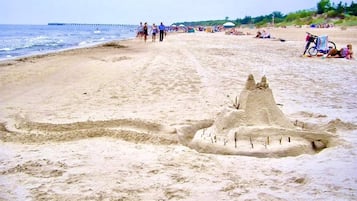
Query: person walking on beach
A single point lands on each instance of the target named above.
(162, 31)
(154, 30)
(145, 28)
(140, 30)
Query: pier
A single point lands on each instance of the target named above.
(84, 24)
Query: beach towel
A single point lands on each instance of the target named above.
(322, 44)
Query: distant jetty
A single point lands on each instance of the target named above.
(84, 24)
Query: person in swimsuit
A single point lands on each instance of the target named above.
(145, 28)
(345, 52)
(140, 31)
(154, 30)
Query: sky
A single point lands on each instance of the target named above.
(135, 11)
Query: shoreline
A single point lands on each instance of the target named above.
(54, 52)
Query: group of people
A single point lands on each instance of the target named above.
(143, 31)
(345, 52)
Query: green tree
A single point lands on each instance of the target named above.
(340, 8)
(352, 9)
(246, 20)
(323, 6)
(291, 17)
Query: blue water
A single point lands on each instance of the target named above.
(26, 40)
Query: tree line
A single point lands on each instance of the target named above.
(340, 13)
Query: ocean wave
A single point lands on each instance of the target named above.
(83, 43)
(5, 49)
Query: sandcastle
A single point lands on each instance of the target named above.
(254, 126)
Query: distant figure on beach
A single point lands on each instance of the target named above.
(154, 31)
(265, 34)
(259, 34)
(145, 31)
(309, 39)
(140, 31)
(345, 52)
(262, 34)
(162, 31)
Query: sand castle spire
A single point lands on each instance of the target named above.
(250, 84)
(259, 106)
(263, 84)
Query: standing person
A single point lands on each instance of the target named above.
(145, 31)
(140, 30)
(309, 39)
(155, 30)
(162, 31)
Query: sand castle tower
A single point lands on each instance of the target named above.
(260, 108)
(256, 107)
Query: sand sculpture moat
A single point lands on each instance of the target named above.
(253, 126)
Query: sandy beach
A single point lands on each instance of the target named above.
(104, 123)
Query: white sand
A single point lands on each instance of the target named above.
(100, 123)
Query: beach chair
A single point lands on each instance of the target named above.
(322, 44)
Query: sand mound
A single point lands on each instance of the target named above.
(131, 130)
(333, 125)
(255, 126)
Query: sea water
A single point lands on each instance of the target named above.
(25, 40)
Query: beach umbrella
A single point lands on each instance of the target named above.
(229, 25)
(181, 25)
